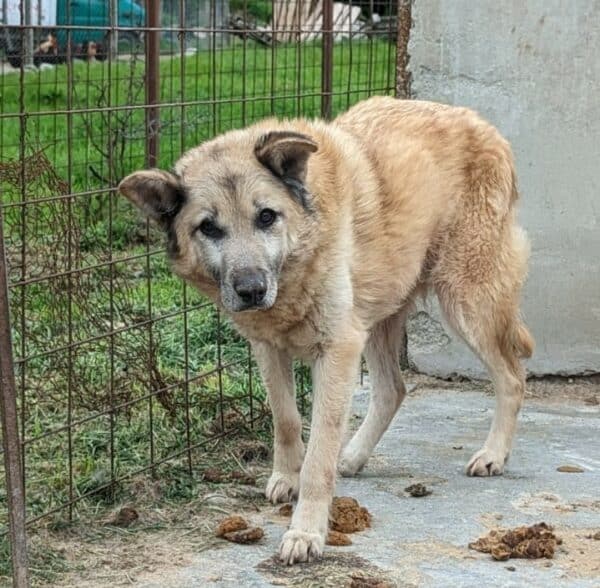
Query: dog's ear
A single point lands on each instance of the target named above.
(286, 153)
(158, 194)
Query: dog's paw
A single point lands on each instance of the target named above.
(486, 463)
(299, 546)
(351, 463)
(282, 487)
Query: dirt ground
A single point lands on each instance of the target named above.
(157, 544)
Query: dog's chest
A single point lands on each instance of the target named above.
(302, 339)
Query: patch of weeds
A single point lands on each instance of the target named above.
(46, 563)
(179, 485)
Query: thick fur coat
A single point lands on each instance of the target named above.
(316, 238)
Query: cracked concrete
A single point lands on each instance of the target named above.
(423, 541)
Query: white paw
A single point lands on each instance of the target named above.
(351, 463)
(282, 487)
(299, 546)
(486, 463)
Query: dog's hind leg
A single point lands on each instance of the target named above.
(483, 309)
(509, 382)
(382, 353)
(288, 449)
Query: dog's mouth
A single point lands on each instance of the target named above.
(249, 308)
(252, 308)
(237, 304)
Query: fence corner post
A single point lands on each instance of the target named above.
(10, 433)
(403, 74)
(403, 90)
(327, 59)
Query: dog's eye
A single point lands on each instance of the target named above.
(266, 217)
(210, 229)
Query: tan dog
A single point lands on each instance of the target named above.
(315, 238)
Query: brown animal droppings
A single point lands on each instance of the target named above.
(347, 516)
(337, 539)
(535, 542)
(243, 478)
(570, 469)
(535, 549)
(418, 490)
(125, 517)
(286, 510)
(214, 475)
(245, 536)
(230, 525)
(217, 476)
(235, 529)
(501, 552)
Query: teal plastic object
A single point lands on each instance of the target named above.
(94, 13)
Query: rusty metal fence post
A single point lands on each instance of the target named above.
(403, 75)
(403, 80)
(152, 82)
(327, 60)
(10, 433)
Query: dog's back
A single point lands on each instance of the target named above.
(410, 143)
(444, 211)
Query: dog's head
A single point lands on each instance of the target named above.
(233, 212)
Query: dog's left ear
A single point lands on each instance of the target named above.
(286, 153)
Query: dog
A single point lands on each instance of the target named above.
(316, 238)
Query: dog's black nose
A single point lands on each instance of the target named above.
(250, 286)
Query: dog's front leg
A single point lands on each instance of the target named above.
(334, 377)
(288, 449)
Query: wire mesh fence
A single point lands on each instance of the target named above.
(119, 367)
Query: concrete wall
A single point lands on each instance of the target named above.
(533, 69)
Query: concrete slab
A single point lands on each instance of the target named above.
(423, 541)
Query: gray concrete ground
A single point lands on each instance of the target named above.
(423, 541)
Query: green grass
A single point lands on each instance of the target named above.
(226, 89)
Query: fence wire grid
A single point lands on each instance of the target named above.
(119, 367)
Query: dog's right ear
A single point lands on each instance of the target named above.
(158, 194)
